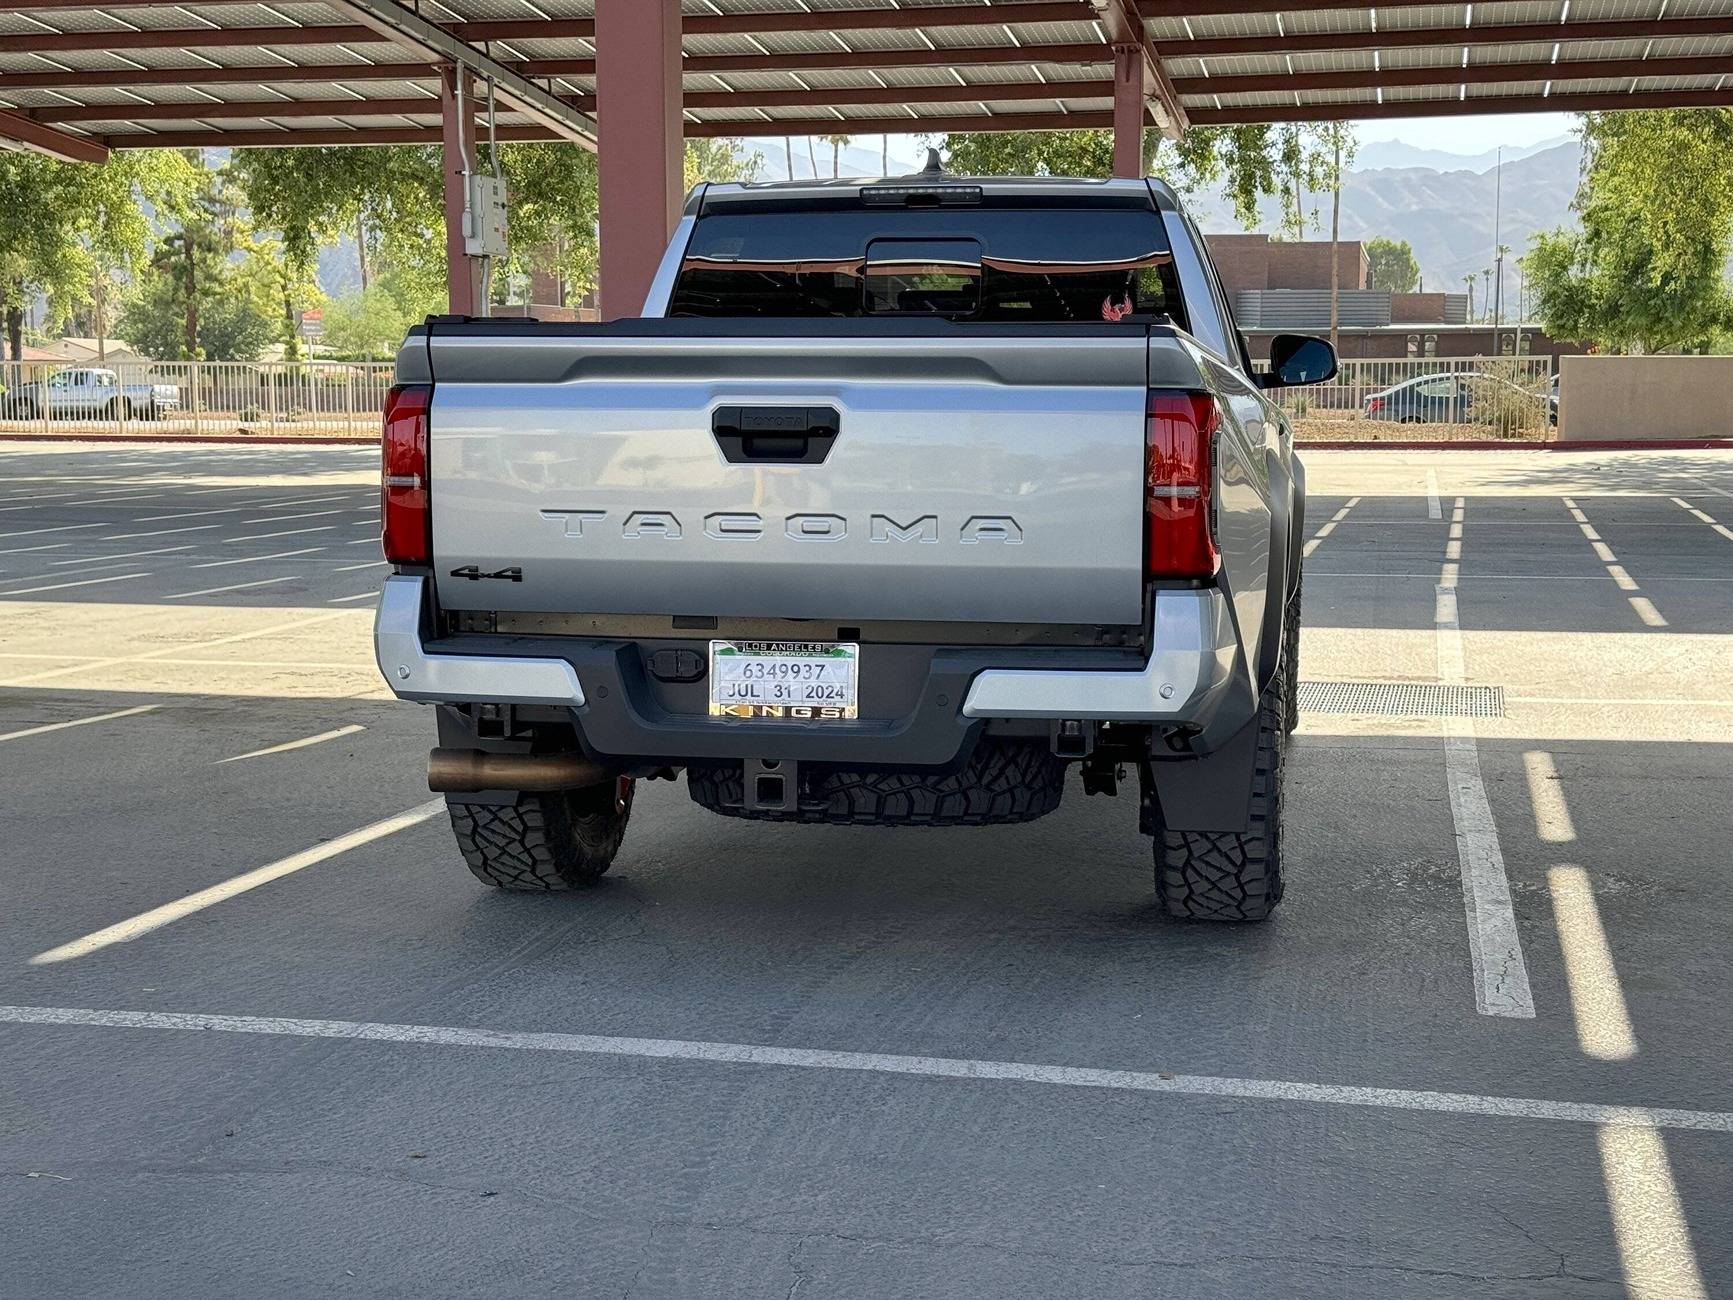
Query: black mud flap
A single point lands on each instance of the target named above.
(1210, 792)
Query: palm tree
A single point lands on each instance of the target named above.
(1469, 281)
(836, 142)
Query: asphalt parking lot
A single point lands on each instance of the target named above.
(263, 1034)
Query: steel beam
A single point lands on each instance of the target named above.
(1125, 29)
(399, 24)
(1392, 38)
(1473, 107)
(1474, 74)
(1075, 52)
(640, 175)
(17, 132)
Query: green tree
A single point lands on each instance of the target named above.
(1336, 141)
(315, 197)
(713, 158)
(1647, 269)
(213, 290)
(369, 326)
(1394, 267)
(1240, 158)
(836, 142)
(68, 230)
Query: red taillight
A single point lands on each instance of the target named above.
(1179, 443)
(1374, 405)
(404, 487)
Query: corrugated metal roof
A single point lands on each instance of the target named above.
(1296, 64)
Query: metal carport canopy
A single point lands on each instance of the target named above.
(238, 73)
(79, 78)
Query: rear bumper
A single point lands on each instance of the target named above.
(936, 700)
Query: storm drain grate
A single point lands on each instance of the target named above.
(1403, 699)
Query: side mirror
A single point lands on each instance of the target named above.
(1298, 359)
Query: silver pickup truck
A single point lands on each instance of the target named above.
(902, 499)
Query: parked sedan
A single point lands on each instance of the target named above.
(1459, 397)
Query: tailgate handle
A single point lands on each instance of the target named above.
(775, 435)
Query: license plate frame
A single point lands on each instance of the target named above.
(785, 681)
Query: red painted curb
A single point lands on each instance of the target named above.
(1628, 444)
(1416, 445)
(1638, 444)
(239, 439)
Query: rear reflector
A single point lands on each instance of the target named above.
(403, 482)
(1179, 443)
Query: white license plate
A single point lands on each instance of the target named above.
(803, 681)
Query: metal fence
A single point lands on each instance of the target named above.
(1509, 391)
(193, 397)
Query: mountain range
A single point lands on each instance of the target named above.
(1447, 216)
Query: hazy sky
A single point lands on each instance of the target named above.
(1467, 135)
(1461, 135)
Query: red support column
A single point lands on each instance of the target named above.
(462, 272)
(1128, 110)
(640, 160)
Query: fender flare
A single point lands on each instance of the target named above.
(1287, 521)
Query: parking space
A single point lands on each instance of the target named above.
(263, 1033)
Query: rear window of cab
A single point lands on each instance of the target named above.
(1048, 264)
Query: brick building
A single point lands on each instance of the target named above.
(1283, 287)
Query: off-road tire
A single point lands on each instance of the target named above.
(1232, 875)
(1291, 655)
(558, 839)
(1004, 781)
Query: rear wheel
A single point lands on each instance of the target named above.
(544, 840)
(1233, 875)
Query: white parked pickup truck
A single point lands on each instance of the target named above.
(903, 500)
(92, 392)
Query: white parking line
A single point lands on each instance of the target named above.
(188, 514)
(1329, 527)
(254, 559)
(1642, 605)
(284, 748)
(160, 532)
(1597, 999)
(277, 519)
(1552, 816)
(1433, 511)
(46, 546)
(1648, 1221)
(125, 555)
(58, 528)
(360, 595)
(286, 532)
(157, 917)
(78, 722)
(1501, 986)
(1709, 519)
(350, 568)
(62, 586)
(1640, 1119)
(233, 586)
